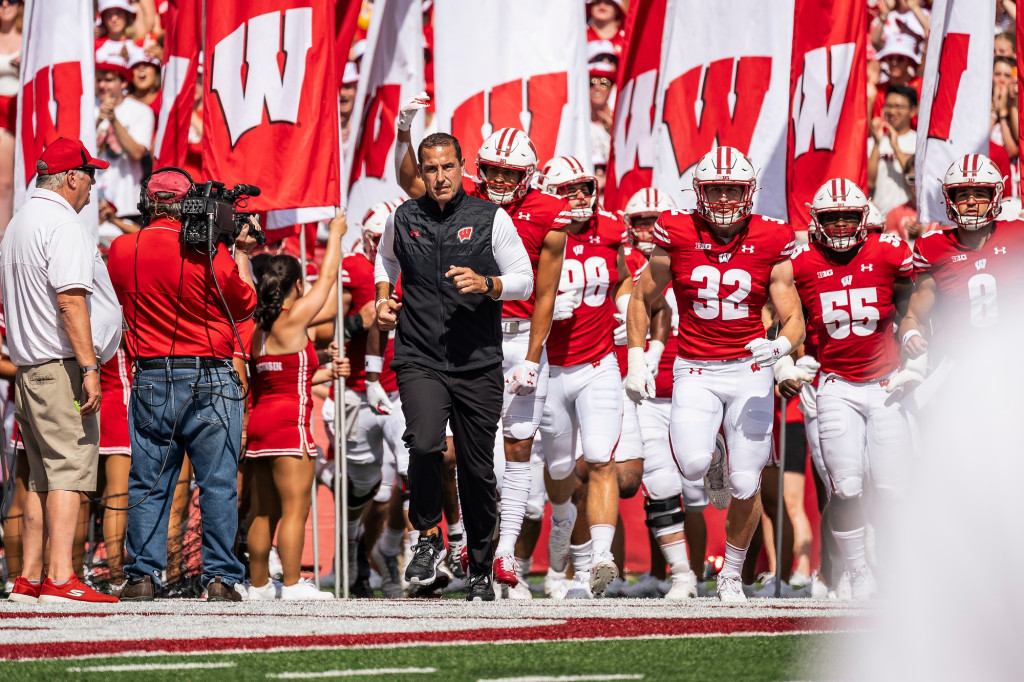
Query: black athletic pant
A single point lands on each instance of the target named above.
(472, 402)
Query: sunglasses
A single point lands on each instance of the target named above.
(602, 81)
(91, 172)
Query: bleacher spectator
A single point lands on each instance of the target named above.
(10, 60)
(604, 22)
(900, 17)
(116, 35)
(890, 143)
(1003, 146)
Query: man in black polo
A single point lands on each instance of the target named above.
(459, 257)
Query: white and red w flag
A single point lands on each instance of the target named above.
(828, 91)
(178, 78)
(270, 114)
(631, 161)
(57, 84)
(391, 71)
(725, 81)
(956, 99)
(515, 64)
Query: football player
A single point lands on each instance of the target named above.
(853, 283)
(674, 505)
(724, 264)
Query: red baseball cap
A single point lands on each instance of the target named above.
(65, 154)
(121, 70)
(168, 180)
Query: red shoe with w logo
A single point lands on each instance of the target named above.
(72, 590)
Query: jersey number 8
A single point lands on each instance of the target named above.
(591, 276)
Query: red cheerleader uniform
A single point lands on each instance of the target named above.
(282, 396)
(116, 384)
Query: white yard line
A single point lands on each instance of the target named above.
(352, 673)
(564, 678)
(149, 666)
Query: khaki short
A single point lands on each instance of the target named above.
(62, 446)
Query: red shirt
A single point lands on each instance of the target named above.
(357, 279)
(720, 289)
(169, 298)
(977, 289)
(850, 307)
(618, 41)
(590, 266)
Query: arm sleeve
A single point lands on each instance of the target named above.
(386, 268)
(513, 261)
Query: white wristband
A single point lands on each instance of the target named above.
(635, 358)
(374, 363)
(785, 346)
(911, 334)
(379, 301)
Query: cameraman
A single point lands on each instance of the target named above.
(186, 396)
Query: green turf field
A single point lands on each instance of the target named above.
(780, 657)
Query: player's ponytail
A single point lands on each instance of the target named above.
(279, 276)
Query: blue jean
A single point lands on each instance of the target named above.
(173, 412)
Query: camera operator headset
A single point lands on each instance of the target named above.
(181, 299)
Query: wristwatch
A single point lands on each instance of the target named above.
(90, 368)
(489, 281)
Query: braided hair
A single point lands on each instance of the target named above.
(279, 276)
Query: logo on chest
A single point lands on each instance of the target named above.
(867, 267)
(847, 281)
(747, 248)
(464, 234)
(724, 257)
(523, 216)
(980, 264)
(578, 249)
(958, 258)
(699, 246)
(822, 274)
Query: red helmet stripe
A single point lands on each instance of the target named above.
(728, 157)
(506, 133)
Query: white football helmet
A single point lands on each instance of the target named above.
(648, 202)
(562, 171)
(840, 195)
(973, 170)
(506, 148)
(875, 221)
(373, 225)
(724, 166)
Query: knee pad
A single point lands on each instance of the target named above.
(847, 486)
(744, 484)
(520, 430)
(359, 495)
(695, 465)
(383, 491)
(664, 517)
(535, 507)
(695, 497)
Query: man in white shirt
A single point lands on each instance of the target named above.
(124, 133)
(49, 272)
(890, 144)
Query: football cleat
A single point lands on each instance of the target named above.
(602, 572)
(391, 581)
(555, 584)
(862, 584)
(579, 588)
(684, 586)
(730, 590)
(505, 570)
(456, 548)
(559, 541)
(716, 480)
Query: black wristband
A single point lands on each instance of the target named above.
(354, 327)
(489, 281)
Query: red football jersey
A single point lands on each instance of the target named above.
(850, 307)
(590, 266)
(977, 289)
(720, 288)
(357, 279)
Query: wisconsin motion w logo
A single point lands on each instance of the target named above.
(248, 78)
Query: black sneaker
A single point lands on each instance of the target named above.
(427, 556)
(480, 588)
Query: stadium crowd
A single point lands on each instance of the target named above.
(624, 369)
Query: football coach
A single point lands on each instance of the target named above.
(459, 257)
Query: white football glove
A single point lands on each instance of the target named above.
(808, 363)
(766, 353)
(566, 303)
(410, 107)
(524, 379)
(786, 369)
(655, 349)
(639, 383)
(619, 335)
(377, 398)
(913, 372)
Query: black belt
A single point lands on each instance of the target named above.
(183, 363)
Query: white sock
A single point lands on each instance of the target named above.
(602, 534)
(734, 557)
(851, 546)
(455, 529)
(515, 493)
(676, 557)
(561, 511)
(582, 556)
(353, 528)
(414, 537)
(391, 541)
(523, 567)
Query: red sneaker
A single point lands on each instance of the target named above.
(24, 591)
(505, 570)
(72, 590)
(464, 559)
